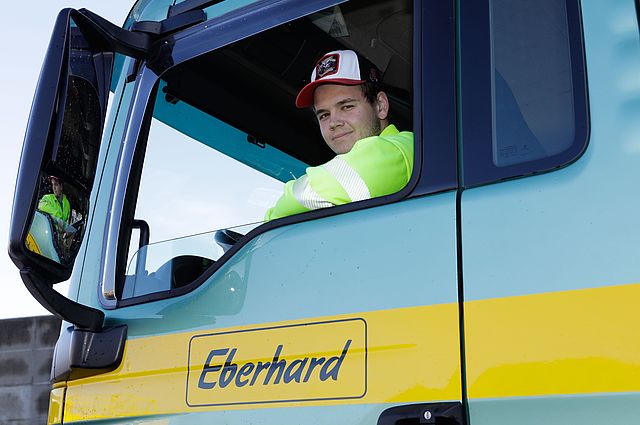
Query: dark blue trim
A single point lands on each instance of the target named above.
(434, 83)
(476, 98)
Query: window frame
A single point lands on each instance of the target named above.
(476, 106)
(217, 33)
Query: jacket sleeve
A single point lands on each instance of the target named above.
(45, 205)
(375, 166)
(287, 204)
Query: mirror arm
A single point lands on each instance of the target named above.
(133, 44)
(60, 306)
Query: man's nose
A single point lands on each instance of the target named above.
(334, 121)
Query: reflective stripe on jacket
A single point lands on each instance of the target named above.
(375, 166)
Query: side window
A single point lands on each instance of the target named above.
(525, 87)
(191, 186)
(223, 135)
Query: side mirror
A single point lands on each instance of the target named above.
(59, 156)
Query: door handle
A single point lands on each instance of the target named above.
(450, 413)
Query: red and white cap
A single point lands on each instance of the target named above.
(338, 67)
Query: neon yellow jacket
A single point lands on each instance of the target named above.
(49, 204)
(375, 166)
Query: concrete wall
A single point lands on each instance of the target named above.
(26, 350)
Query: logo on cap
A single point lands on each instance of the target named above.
(328, 65)
(373, 75)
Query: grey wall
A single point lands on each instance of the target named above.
(26, 350)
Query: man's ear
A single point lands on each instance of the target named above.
(382, 105)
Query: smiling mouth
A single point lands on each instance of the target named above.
(339, 136)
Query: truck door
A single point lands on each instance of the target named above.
(550, 256)
(347, 314)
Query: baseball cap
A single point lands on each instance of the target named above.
(338, 67)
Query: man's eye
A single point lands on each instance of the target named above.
(322, 117)
(347, 107)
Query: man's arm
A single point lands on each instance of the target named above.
(46, 205)
(376, 166)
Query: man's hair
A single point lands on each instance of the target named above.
(370, 91)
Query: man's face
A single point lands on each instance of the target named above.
(56, 185)
(345, 116)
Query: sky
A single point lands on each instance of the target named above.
(26, 29)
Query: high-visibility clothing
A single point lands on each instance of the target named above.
(50, 204)
(375, 166)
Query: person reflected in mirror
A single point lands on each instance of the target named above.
(58, 207)
(56, 204)
(373, 158)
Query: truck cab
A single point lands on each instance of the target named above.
(499, 286)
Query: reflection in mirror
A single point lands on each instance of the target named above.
(77, 151)
(66, 177)
(58, 222)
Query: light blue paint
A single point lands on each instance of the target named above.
(569, 229)
(593, 409)
(321, 268)
(576, 227)
(358, 414)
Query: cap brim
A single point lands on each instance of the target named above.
(305, 97)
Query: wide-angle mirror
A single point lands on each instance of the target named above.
(58, 221)
(59, 158)
(60, 151)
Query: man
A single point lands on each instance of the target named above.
(56, 204)
(372, 157)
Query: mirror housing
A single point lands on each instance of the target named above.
(62, 143)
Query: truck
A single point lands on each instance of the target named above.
(500, 286)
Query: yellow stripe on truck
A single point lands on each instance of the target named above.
(574, 342)
(402, 355)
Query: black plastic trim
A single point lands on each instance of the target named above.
(446, 413)
(81, 353)
(132, 44)
(143, 226)
(60, 306)
(475, 78)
